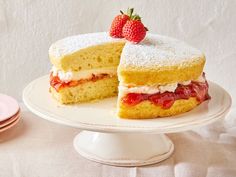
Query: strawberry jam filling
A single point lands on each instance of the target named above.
(58, 84)
(199, 90)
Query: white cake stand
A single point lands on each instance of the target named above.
(110, 140)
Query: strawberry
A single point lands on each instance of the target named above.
(165, 100)
(132, 99)
(117, 25)
(183, 92)
(134, 31)
(128, 26)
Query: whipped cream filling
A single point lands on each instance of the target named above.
(124, 89)
(86, 74)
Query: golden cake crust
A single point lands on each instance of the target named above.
(98, 56)
(146, 109)
(86, 51)
(191, 70)
(159, 60)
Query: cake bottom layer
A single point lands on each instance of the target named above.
(92, 90)
(147, 110)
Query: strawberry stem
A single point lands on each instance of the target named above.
(136, 17)
(130, 12)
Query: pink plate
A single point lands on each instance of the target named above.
(10, 120)
(8, 107)
(10, 125)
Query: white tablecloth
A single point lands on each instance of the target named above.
(38, 148)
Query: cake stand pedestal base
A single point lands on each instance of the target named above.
(123, 149)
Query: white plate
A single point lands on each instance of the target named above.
(100, 116)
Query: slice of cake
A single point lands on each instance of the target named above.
(85, 67)
(160, 77)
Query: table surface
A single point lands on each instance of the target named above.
(36, 147)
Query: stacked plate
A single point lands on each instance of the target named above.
(9, 112)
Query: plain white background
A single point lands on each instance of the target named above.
(28, 27)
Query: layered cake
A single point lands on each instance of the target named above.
(158, 77)
(153, 75)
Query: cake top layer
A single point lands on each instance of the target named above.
(157, 50)
(154, 50)
(72, 44)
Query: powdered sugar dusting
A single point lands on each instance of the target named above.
(72, 44)
(156, 50)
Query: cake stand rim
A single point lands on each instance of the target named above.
(120, 129)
